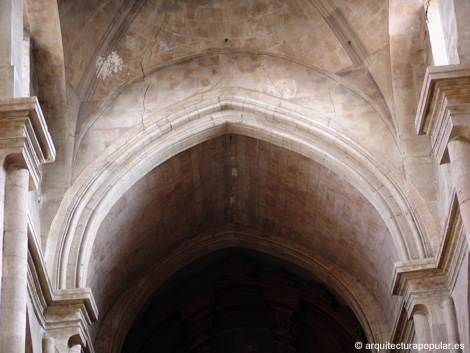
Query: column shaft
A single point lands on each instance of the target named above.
(15, 262)
(451, 324)
(2, 204)
(422, 330)
(75, 349)
(48, 344)
(459, 154)
(11, 47)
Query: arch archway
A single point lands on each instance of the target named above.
(89, 200)
(175, 214)
(224, 300)
(119, 319)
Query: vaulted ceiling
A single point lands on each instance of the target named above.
(300, 160)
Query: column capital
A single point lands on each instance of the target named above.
(65, 314)
(444, 107)
(68, 316)
(24, 136)
(419, 282)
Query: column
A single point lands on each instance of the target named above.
(75, 349)
(422, 330)
(444, 115)
(25, 144)
(427, 302)
(2, 207)
(11, 38)
(451, 324)
(15, 261)
(459, 156)
(48, 344)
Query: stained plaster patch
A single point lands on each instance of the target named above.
(105, 67)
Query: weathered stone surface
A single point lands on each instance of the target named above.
(184, 129)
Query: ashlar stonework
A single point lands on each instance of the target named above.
(208, 176)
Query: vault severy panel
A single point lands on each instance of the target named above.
(241, 182)
(370, 19)
(268, 79)
(84, 24)
(150, 34)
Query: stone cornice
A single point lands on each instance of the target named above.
(67, 311)
(444, 106)
(24, 135)
(419, 279)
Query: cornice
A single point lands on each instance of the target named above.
(444, 106)
(24, 136)
(418, 280)
(67, 311)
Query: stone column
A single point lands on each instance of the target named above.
(444, 115)
(11, 44)
(427, 301)
(455, 21)
(451, 324)
(422, 330)
(48, 344)
(25, 144)
(2, 207)
(15, 261)
(68, 314)
(75, 349)
(459, 156)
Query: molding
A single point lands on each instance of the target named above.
(444, 106)
(418, 280)
(59, 312)
(453, 246)
(403, 329)
(24, 136)
(90, 198)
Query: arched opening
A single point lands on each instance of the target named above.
(234, 191)
(236, 300)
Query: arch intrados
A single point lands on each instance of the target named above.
(361, 301)
(92, 196)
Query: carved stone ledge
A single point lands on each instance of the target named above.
(24, 136)
(417, 280)
(65, 314)
(444, 107)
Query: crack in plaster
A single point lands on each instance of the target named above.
(332, 101)
(263, 66)
(227, 69)
(143, 106)
(155, 40)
